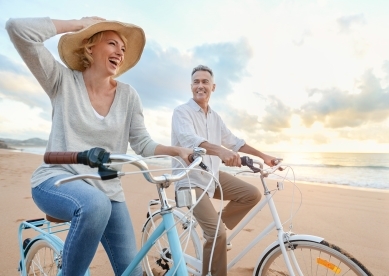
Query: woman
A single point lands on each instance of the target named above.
(90, 109)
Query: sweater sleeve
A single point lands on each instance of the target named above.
(139, 138)
(28, 36)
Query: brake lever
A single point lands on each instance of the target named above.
(76, 177)
(246, 161)
(198, 151)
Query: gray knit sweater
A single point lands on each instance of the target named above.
(74, 124)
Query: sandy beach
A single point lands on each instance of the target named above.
(357, 220)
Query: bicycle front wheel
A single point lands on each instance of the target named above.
(159, 259)
(312, 258)
(43, 259)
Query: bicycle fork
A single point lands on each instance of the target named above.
(281, 234)
(169, 226)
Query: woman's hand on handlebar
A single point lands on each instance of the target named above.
(174, 151)
(185, 155)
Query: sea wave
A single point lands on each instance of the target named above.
(340, 166)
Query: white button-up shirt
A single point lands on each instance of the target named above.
(191, 127)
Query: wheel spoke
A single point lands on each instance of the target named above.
(42, 259)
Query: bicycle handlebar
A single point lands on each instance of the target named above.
(247, 161)
(98, 157)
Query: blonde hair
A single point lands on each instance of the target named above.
(82, 52)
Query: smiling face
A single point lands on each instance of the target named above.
(108, 53)
(202, 87)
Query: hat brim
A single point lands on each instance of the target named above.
(135, 36)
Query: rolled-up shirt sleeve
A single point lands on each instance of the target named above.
(229, 140)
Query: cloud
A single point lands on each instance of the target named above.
(162, 76)
(347, 23)
(259, 130)
(277, 115)
(7, 65)
(373, 132)
(385, 69)
(240, 119)
(24, 89)
(300, 41)
(17, 84)
(336, 108)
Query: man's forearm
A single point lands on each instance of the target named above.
(229, 157)
(250, 150)
(212, 149)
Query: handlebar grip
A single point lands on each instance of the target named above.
(190, 158)
(244, 160)
(95, 157)
(61, 157)
(202, 165)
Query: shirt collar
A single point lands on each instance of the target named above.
(196, 107)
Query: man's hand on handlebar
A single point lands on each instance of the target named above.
(230, 158)
(270, 160)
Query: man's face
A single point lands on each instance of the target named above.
(202, 87)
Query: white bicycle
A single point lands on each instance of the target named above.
(290, 254)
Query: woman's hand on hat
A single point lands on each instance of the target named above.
(73, 25)
(90, 20)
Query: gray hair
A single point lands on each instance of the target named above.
(202, 68)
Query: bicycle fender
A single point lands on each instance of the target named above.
(54, 240)
(177, 213)
(295, 237)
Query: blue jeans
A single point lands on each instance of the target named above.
(94, 218)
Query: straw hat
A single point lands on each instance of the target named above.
(135, 36)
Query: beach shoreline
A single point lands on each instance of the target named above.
(355, 219)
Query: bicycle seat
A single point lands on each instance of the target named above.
(55, 220)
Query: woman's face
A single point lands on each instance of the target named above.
(108, 54)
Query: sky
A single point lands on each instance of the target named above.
(300, 76)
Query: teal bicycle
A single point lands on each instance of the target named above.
(41, 254)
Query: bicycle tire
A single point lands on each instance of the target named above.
(313, 258)
(158, 260)
(42, 258)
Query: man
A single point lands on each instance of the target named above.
(195, 124)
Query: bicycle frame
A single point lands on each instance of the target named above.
(275, 224)
(282, 236)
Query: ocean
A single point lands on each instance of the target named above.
(364, 170)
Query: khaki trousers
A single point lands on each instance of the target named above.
(242, 196)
